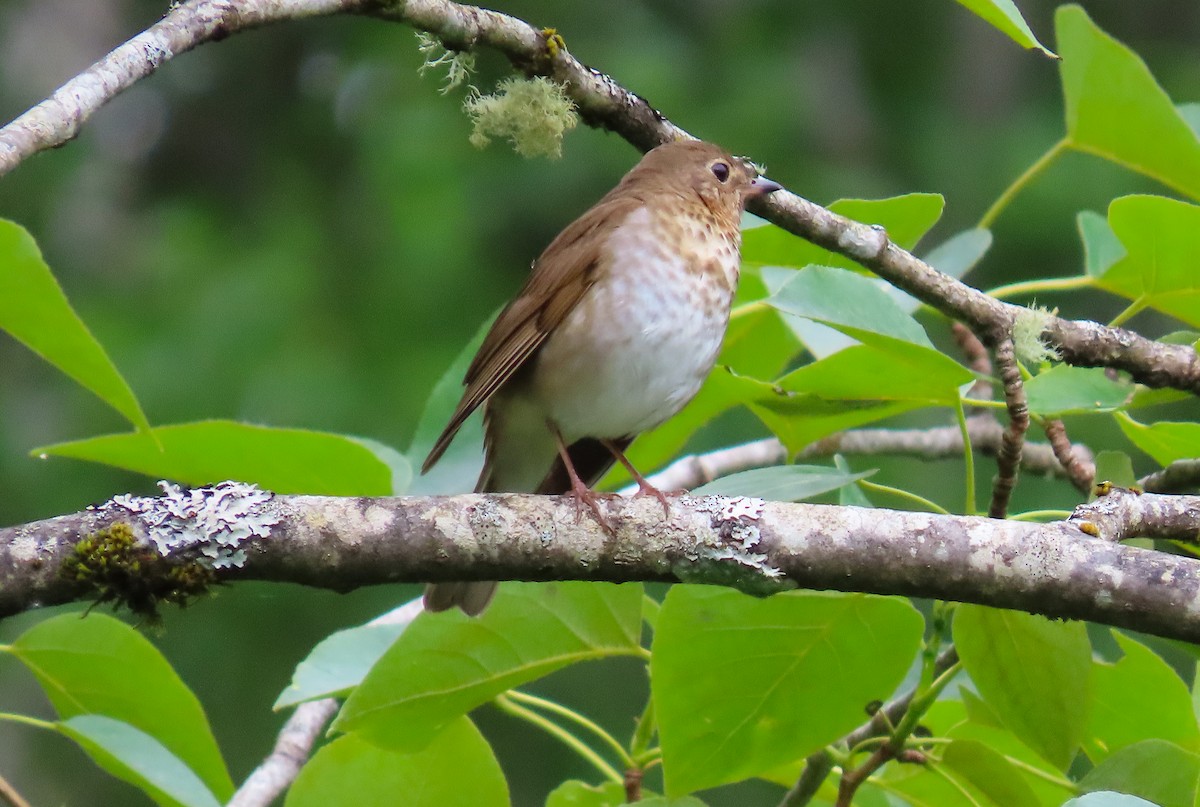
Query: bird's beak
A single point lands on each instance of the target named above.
(761, 186)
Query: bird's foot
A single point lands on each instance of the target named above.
(586, 497)
(646, 489)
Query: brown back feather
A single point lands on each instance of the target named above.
(560, 277)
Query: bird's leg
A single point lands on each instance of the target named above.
(582, 493)
(644, 487)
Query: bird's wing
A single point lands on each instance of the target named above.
(560, 277)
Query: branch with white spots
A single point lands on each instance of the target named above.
(1059, 569)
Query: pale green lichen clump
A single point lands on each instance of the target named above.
(533, 114)
(459, 64)
(1027, 336)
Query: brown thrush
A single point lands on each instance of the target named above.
(614, 332)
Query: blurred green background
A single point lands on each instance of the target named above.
(290, 228)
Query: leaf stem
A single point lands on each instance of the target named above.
(643, 732)
(506, 704)
(1031, 173)
(1131, 310)
(968, 457)
(900, 493)
(1034, 515)
(26, 720)
(1025, 287)
(570, 714)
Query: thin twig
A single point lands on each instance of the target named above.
(818, 765)
(1008, 460)
(1079, 469)
(300, 733)
(10, 794)
(1181, 476)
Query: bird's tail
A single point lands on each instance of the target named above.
(590, 459)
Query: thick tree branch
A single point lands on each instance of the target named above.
(603, 103)
(342, 543)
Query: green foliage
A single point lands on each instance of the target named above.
(446, 664)
(100, 667)
(457, 767)
(771, 688)
(35, 311)
(740, 688)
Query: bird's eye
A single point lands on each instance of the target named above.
(720, 171)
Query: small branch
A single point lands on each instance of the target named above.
(941, 442)
(819, 764)
(1181, 476)
(292, 749)
(10, 795)
(976, 355)
(294, 745)
(1079, 468)
(1121, 514)
(1008, 460)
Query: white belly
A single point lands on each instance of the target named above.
(640, 343)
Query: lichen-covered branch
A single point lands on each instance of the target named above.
(602, 103)
(343, 543)
(1121, 514)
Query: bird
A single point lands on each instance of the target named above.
(618, 325)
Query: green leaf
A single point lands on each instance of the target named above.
(459, 467)
(783, 483)
(1138, 698)
(338, 663)
(1101, 247)
(139, 759)
(958, 254)
(100, 665)
(1066, 390)
(1164, 441)
(886, 369)
(850, 495)
(1006, 17)
(397, 463)
(1116, 110)
(1156, 770)
(742, 685)
(1115, 467)
(457, 767)
(664, 801)
(906, 219)
(574, 793)
(1036, 674)
(1162, 238)
(34, 309)
(990, 773)
(849, 302)
(1107, 798)
(446, 664)
(948, 718)
(208, 451)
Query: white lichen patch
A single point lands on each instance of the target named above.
(735, 520)
(210, 524)
(863, 243)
